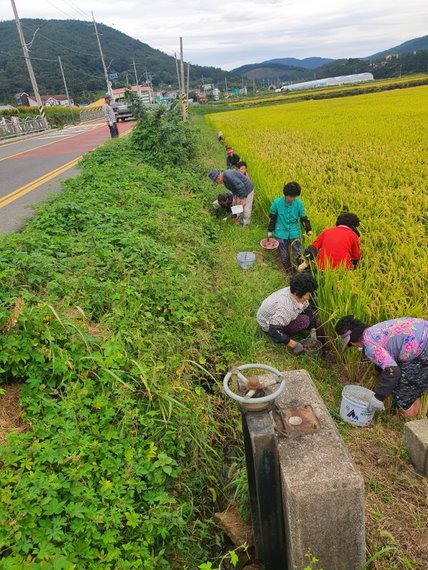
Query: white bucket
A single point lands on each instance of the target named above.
(354, 407)
(245, 259)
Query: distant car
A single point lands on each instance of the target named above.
(122, 110)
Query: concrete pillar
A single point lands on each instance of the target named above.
(323, 492)
(416, 442)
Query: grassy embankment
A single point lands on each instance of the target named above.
(127, 295)
(107, 318)
(396, 495)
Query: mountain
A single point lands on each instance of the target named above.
(273, 71)
(407, 47)
(306, 63)
(292, 69)
(75, 42)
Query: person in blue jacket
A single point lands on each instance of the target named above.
(240, 186)
(285, 214)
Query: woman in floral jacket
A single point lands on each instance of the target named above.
(399, 348)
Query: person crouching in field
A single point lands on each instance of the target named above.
(285, 214)
(339, 246)
(242, 167)
(399, 349)
(240, 186)
(232, 158)
(288, 312)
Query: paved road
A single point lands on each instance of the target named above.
(32, 168)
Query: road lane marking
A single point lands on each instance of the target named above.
(43, 145)
(42, 134)
(23, 190)
(19, 192)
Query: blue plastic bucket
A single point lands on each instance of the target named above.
(354, 407)
(245, 259)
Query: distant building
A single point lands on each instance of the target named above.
(391, 56)
(24, 100)
(330, 81)
(143, 91)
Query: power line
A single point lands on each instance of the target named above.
(77, 8)
(23, 56)
(59, 9)
(62, 45)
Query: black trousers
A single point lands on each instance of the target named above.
(413, 382)
(114, 131)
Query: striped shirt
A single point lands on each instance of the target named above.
(279, 309)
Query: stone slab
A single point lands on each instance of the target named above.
(323, 491)
(416, 442)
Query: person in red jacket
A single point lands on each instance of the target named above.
(339, 246)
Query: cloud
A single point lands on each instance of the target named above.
(230, 33)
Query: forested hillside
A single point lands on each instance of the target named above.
(75, 42)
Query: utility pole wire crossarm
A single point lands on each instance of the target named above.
(109, 89)
(29, 66)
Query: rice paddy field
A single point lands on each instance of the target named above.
(340, 90)
(367, 154)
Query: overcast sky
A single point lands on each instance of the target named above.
(229, 33)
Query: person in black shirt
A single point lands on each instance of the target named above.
(232, 158)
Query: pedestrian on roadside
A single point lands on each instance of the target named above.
(339, 246)
(240, 186)
(110, 117)
(284, 217)
(399, 350)
(232, 158)
(289, 311)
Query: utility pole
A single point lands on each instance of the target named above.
(225, 84)
(65, 83)
(183, 96)
(109, 90)
(136, 79)
(178, 73)
(29, 66)
(188, 82)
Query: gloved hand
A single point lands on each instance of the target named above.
(375, 404)
(298, 349)
(309, 233)
(110, 124)
(270, 235)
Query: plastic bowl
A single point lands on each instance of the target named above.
(269, 243)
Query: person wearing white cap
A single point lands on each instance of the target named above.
(399, 349)
(110, 116)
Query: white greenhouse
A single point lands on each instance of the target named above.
(330, 81)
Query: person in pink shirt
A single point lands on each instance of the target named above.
(399, 349)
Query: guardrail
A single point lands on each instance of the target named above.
(14, 127)
(91, 114)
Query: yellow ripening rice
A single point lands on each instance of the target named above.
(367, 154)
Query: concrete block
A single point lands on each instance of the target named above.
(323, 491)
(416, 442)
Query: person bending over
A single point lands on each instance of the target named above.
(339, 246)
(240, 186)
(399, 349)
